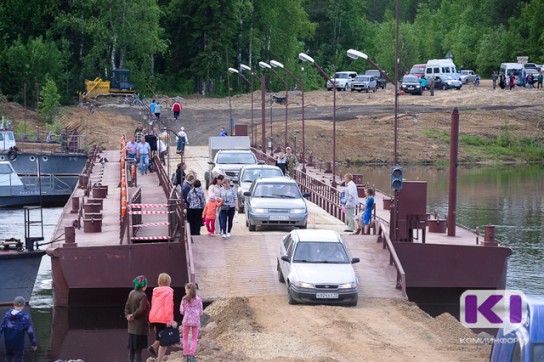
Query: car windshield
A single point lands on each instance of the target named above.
(319, 252)
(362, 79)
(417, 70)
(277, 191)
(410, 79)
(447, 77)
(236, 158)
(252, 174)
(341, 75)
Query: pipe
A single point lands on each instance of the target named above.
(454, 146)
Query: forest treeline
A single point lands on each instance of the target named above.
(186, 46)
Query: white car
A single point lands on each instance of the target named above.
(250, 173)
(317, 268)
(342, 80)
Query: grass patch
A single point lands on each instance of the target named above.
(505, 147)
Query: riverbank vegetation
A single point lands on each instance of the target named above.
(186, 46)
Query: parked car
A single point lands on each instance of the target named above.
(467, 76)
(342, 80)
(275, 201)
(418, 70)
(525, 343)
(230, 162)
(364, 83)
(248, 174)
(447, 82)
(380, 78)
(317, 268)
(410, 84)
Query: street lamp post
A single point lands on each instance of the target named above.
(235, 71)
(301, 84)
(355, 54)
(268, 66)
(306, 58)
(263, 108)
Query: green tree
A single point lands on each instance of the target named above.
(49, 102)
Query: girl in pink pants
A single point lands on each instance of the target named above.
(192, 310)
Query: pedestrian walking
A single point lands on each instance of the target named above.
(539, 80)
(137, 315)
(14, 326)
(367, 209)
(196, 202)
(161, 315)
(215, 187)
(192, 309)
(157, 111)
(352, 201)
(281, 162)
(143, 151)
(292, 161)
(176, 109)
(132, 148)
(230, 204)
(182, 140)
(494, 79)
(432, 82)
(209, 214)
(152, 107)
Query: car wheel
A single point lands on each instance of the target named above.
(329, 89)
(252, 227)
(305, 226)
(280, 275)
(367, 90)
(352, 89)
(346, 88)
(444, 87)
(458, 88)
(354, 303)
(290, 298)
(374, 90)
(359, 91)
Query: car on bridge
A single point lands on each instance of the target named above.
(248, 174)
(229, 163)
(275, 201)
(317, 268)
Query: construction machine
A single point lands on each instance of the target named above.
(119, 85)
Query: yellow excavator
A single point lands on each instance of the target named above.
(119, 85)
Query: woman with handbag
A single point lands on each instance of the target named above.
(161, 315)
(136, 313)
(192, 309)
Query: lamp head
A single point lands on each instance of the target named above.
(355, 54)
(276, 64)
(305, 57)
(264, 65)
(232, 70)
(245, 67)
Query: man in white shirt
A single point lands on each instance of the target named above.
(352, 200)
(143, 154)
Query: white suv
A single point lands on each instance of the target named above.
(342, 80)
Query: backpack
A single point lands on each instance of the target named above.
(175, 178)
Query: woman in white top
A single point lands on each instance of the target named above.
(215, 187)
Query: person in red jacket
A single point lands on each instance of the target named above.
(176, 108)
(161, 314)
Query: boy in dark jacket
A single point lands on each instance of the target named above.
(16, 322)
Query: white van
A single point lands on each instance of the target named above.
(510, 68)
(439, 67)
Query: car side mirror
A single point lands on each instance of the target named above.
(261, 162)
(306, 195)
(355, 260)
(247, 193)
(285, 258)
(211, 163)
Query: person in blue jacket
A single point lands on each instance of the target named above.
(14, 326)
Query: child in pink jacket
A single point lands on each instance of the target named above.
(192, 310)
(209, 214)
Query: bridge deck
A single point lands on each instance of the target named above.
(245, 264)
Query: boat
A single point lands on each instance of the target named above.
(19, 262)
(45, 190)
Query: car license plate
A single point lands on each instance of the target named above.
(326, 295)
(410, 87)
(279, 217)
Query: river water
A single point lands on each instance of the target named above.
(509, 197)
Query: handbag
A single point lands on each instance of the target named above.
(169, 336)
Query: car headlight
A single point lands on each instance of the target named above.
(304, 285)
(347, 285)
(418, 86)
(260, 211)
(297, 211)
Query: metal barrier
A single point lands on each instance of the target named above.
(383, 237)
